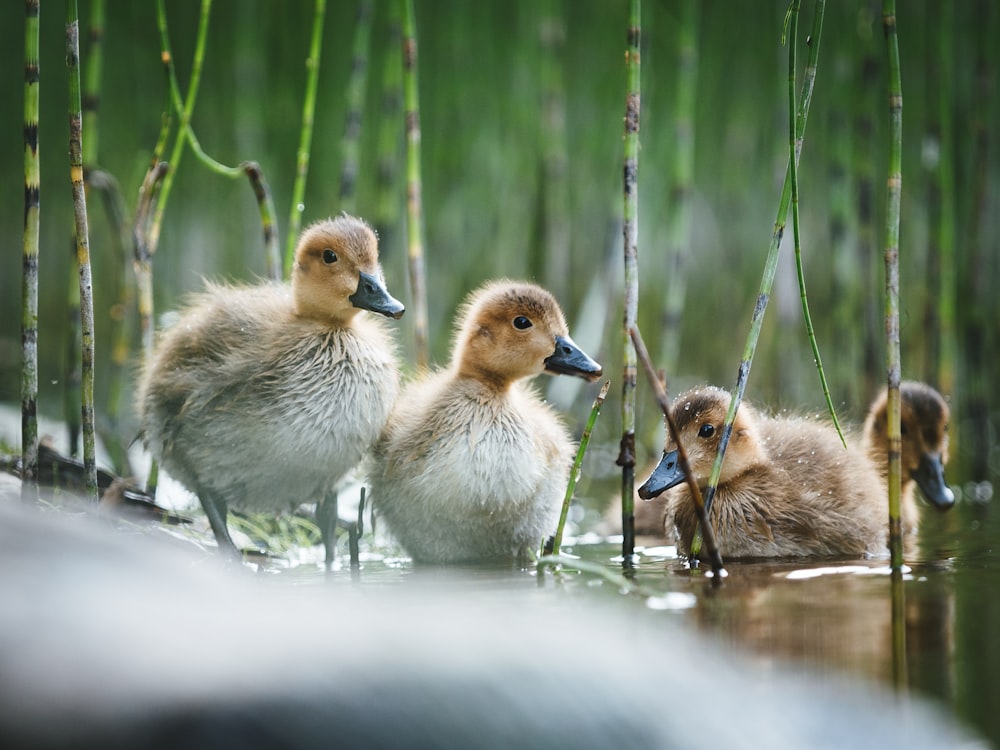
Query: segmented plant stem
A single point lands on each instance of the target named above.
(892, 359)
(29, 275)
(630, 236)
(82, 248)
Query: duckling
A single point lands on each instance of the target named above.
(924, 418)
(473, 464)
(261, 397)
(788, 486)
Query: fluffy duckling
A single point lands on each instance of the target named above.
(261, 397)
(923, 422)
(473, 465)
(788, 486)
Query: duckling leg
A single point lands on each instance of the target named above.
(326, 519)
(216, 511)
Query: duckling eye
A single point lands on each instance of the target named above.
(329, 256)
(521, 323)
(706, 431)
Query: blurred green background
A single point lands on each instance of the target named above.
(522, 108)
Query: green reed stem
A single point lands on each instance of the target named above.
(82, 248)
(630, 233)
(153, 237)
(265, 203)
(792, 37)
(305, 136)
(414, 190)
(770, 267)
(350, 144)
(29, 275)
(714, 555)
(595, 410)
(892, 358)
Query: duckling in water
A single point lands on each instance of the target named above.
(788, 486)
(923, 422)
(261, 397)
(473, 465)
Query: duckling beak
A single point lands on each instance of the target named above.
(372, 295)
(667, 474)
(569, 359)
(929, 476)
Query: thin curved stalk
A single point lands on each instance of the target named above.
(82, 249)
(29, 275)
(892, 359)
(350, 145)
(793, 28)
(556, 542)
(630, 236)
(770, 266)
(265, 203)
(718, 570)
(305, 136)
(414, 190)
(153, 235)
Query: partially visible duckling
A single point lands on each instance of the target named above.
(261, 397)
(924, 418)
(473, 465)
(788, 486)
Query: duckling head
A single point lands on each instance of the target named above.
(699, 415)
(513, 330)
(923, 423)
(337, 272)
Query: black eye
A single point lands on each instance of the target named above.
(521, 323)
(329, 256)
(706, 431)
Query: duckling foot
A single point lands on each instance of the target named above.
(326, 519)
(216, 511)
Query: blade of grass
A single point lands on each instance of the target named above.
(555, 543)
